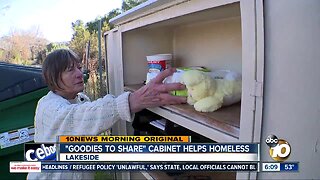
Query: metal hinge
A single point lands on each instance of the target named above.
(257, 89)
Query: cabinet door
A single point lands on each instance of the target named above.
(114, 62)
(252, 70)
(115, 72)
(115, 79)
(252, 74)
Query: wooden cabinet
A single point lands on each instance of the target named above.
(217, 34)
(222, 34)
(241, 35)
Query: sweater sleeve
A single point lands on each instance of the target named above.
(57, 116)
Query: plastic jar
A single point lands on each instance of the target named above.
(159, 62)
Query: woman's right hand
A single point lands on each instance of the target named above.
(155, 93)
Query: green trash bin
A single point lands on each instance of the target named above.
(20, 89)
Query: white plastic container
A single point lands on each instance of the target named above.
(159, 62)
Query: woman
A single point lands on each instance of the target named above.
(66, 111)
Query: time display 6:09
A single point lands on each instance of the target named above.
(272, 167)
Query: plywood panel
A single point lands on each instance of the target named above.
(137, 45)
(291, 94)
(214, 44)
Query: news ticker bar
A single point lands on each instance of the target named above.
(23, 167)
(280, 167)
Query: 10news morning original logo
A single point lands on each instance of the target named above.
(40, 152)
(279, 149)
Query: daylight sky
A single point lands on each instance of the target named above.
(53, 18)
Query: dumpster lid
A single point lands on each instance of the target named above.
(17, 80)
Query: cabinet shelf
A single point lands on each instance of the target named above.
(221, 125)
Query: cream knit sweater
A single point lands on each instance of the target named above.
(58, 116)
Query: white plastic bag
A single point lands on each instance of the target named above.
(233, 83)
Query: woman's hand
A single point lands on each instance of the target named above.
(155, 93)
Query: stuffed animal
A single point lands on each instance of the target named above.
(208, 92)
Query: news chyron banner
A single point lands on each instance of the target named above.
(137, 153)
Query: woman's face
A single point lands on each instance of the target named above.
(72, 81)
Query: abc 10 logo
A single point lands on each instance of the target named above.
(279, 149)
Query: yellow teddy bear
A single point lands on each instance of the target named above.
(209, 93)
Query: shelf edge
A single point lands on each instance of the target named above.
(197, 127)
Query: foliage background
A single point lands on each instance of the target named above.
(30, 48)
